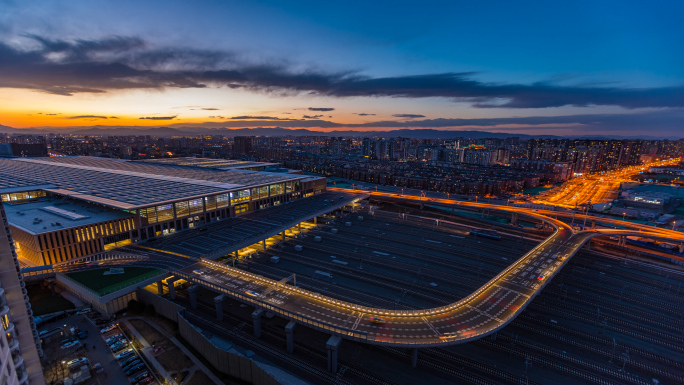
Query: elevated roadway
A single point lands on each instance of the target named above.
(483, 312)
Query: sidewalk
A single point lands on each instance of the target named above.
(147, 351)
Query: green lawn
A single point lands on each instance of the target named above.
(43, 302)
(105, 284)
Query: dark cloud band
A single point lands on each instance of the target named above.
(119, 63)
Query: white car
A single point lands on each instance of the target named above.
(124, 354)
(71, 344)
(77, 362)
(107, 329)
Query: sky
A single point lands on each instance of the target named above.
(528, 67)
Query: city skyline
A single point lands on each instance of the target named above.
(517, 69)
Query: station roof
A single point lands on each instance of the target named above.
(219, 164)
(125, 184)
(52, 214)
(232, 234)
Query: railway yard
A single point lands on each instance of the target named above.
(602, 320)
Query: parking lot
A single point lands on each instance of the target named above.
(83, 354)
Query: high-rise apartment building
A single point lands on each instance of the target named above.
(20, 350)
(242, 145)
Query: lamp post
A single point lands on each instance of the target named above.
(673, 225)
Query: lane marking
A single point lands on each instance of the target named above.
(357, 321)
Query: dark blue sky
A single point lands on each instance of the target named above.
(370, 61)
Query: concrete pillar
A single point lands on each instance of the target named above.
(236, 255)
(218, 302)
(172, 287)
(514, 219)
(422, 206)
(256, 316)
(414, 358)
(299, 226)
(589, 244)
(193, 295)
(263, 243)
(289, 334)
(160, 288)
(283, 235)
(315, 220)
(593, 225)
(51, 282)
(332, 345)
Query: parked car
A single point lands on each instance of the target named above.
(107, 329)
(128, 360)
(131, 364)
(113, 339)
(97, 367)
(78, 362)
(145, 381)
(71, 344)
(117, 342)
(83, 335)
(84, 311)
(124, 354)
(140, 377)
(135, 368)
(120, 346)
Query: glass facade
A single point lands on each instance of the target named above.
(210, 202)
(222, 200)
(182, 209)
(164, 213)
(239, 196)
(196, 206)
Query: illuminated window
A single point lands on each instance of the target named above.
(239, 196)
(196, 206)
(222, 200)
(263, 192)
(182, 209)
(164, 213)
(149, 213)
(255, 193)
(241, 208)
(210, 202)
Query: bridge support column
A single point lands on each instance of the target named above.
(51, 282)
(315, 220)
(588, 245)
(414, 358)
(593, 225)
(283, 235)
(299, 226)
(332, 345)
(172, 287)
(193, 295)
(236, 255)
(263, 244)
(160, 287)
(289, 334)
(218, 303)
(422, 206)
(256, 317)
(681, 247)
(514, 219)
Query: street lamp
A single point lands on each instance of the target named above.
(673, 225)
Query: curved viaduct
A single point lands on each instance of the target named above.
(485, 311)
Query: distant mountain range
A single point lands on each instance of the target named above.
(163, 131)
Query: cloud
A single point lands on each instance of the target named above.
(362, 114)
(408, 116)
(323, 109)
(250, 117)
(86, 117)
(53, 114)
(113, 117)
(118, 63)
(158, 117)
(312, 116)
(210, 109)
